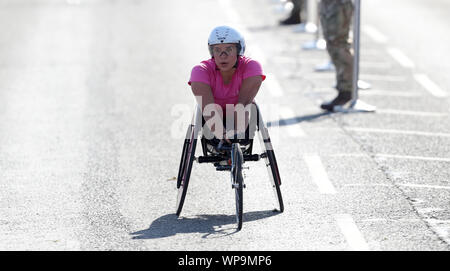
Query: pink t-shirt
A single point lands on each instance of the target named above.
(206, 72)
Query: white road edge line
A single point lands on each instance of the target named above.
(429, 85)
(318, 174)
(374, 34)
(401, 58)
(441, 227)
(351, 232)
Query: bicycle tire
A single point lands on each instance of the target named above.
(238, 182)
(186, 172)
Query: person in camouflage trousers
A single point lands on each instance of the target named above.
(336, 17)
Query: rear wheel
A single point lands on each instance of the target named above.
(274, 176)
(183, 159)
(184, 171)
(271, 164)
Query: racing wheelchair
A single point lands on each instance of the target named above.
(228, 157)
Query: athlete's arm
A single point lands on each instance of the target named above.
(249, 88)
(203, 95)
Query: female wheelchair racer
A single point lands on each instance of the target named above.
(227, 81)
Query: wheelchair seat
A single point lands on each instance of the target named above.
(210, 146)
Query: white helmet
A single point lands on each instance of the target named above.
(226, 34)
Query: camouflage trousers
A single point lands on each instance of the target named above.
(336, 18)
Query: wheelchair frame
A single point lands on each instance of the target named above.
(230, 156)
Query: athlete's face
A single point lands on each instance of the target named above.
(225, 55)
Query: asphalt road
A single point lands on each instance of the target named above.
(94, 104)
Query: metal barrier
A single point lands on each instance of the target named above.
(357, 104)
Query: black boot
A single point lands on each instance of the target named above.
(341, 99)
(293, 19)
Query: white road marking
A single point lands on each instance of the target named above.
(318, 174)
(430, 86)
(442, 228)
(73, 2)
(256, 53)
(374, 34)
(351, 232)
(376, 65)
(392, 131)
(385, 220)
(378, 77)
(390, 93)
(231, 13)
(425, 186)
(293, 127)
(368, 185)
(272, 84)
(382, 155)
(365, 77)
(413, 113)
(401, 58)
(437, 159)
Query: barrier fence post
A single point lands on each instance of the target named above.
(356, 103)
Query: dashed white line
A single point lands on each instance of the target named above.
(389, 93)
(413, 113)
(401, 58)
(389, 78)
(423, 158)
(365, 76)
(288, 116)
(393, 156)
(430, 86)
(351, 232)
(231, 13)
(376, 65)
(374, 34)
(272, 84)
(393, 131)
(425, 186)
(318, 174)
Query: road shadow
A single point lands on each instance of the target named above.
(312, 117)
(210, 225)
(299, 119)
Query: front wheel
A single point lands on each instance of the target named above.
(237, 181)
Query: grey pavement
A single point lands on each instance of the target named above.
(94, 104)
